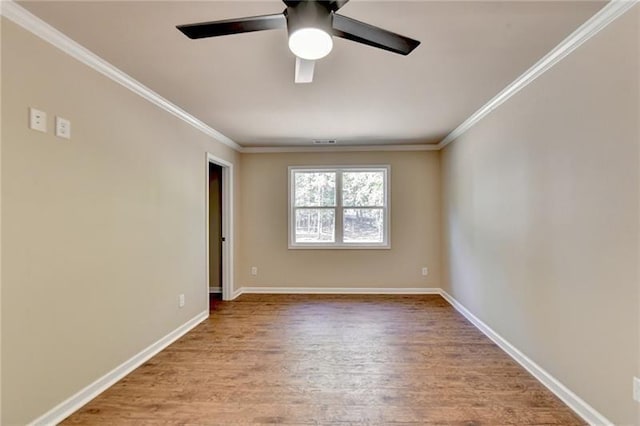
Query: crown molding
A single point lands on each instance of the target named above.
(40, 28)
(350, 148)
(609, 13)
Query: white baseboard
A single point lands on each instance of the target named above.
(335, 290)
(215, 290)
(236, 293)
(73, 403)
(573, 401)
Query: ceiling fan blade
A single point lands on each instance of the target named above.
(304, 70)
(337, 4)
(360, 32)
(233, 26)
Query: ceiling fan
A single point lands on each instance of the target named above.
(311, 26)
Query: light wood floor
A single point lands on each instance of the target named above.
(319, 359)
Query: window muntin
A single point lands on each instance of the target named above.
(339, 207)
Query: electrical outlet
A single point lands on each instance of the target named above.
(636, 389)
(254, 270)
(37, 120)
(63, 128)
(181, 301)
(425, 271)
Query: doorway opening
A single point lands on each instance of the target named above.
(219, 225)
(216, 238)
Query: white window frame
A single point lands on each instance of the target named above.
(339, 226)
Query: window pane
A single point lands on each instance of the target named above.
(363, 226)
(363, 189)
(315, 189)
(315, 225)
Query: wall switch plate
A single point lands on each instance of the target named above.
(181, 301)
(636, 389)
(63, 128)
(425, 271)
(37, 120)
(254, 270)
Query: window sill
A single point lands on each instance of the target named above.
(339, 246)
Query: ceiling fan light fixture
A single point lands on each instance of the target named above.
(310, 43)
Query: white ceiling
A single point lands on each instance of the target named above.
(242, 85)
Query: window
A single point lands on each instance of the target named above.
(339, 207)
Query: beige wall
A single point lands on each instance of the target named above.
(415, 235)
(100, 233)
(541, 220)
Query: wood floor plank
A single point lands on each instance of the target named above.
(330, 360)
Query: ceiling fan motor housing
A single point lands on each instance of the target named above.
(309, 14)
